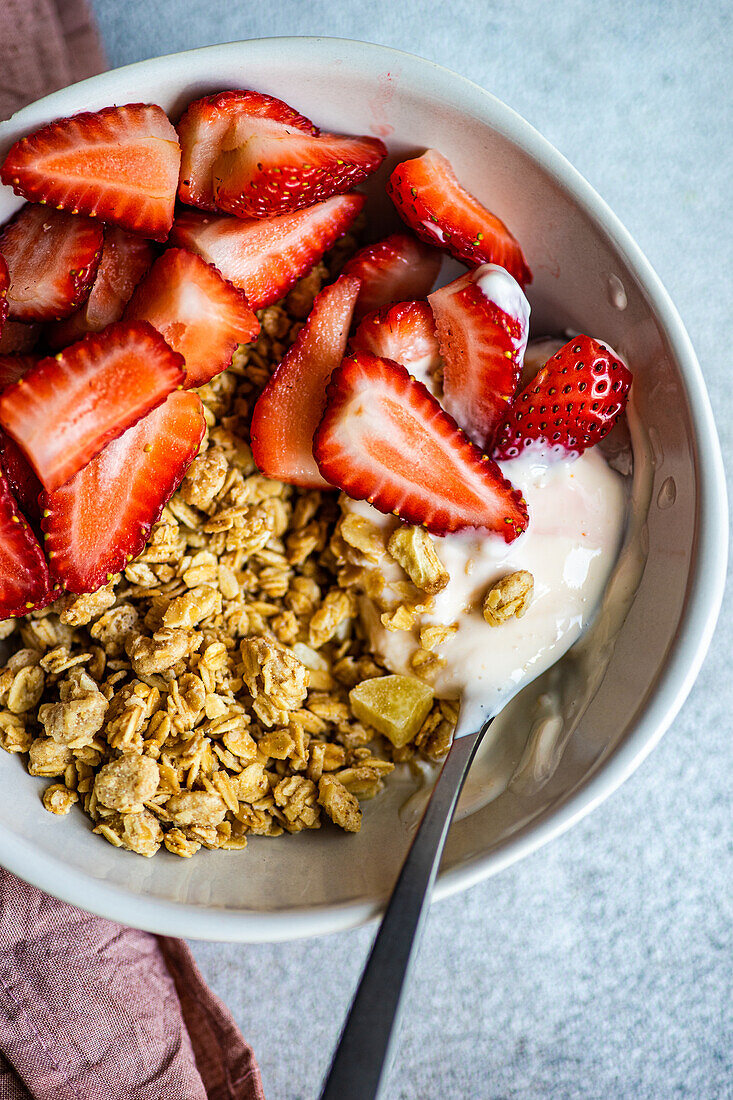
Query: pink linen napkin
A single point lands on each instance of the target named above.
(89, 1009)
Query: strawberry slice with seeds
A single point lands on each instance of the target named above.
(433, 203)
(24, 483)
(52, 259)
(268, 166)
(101, 519)
(120, 164)
(482, 321)
(396, 269)
(224, 121)
(13, 367)
(265, 258)
(291, 404)
(24, 579)
(404, 333)
(570, 404)
(199, 314)
(125, 259)
(385, 438)
(17, 337)
(67, 409)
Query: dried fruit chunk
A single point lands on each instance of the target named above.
(414, 549)
(394, 705)
(508, 598)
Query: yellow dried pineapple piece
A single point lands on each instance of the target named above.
(396, 706)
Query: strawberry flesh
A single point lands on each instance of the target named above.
(199, 314)
(101, 519)
(385, 438)
(570, 405)
(483, 349)
(216, 123)
(88, 394)
(433, 203)
(120, 164)
(24, 579)
(396, 269)
(52, 259)
(22, 479)
(405, 333)
(125, 259)
(265, 258)
(291, 404)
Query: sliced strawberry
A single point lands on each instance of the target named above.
(17, 337)
(482, 321)
(120, 164)
(385, 438)
(4, 284)
(570, 405)
(291, 404)
(68, 408)
(101, 519)
(404, 333)
(270, 166)
(24, 579)
(432, 202)
(200, 315)
(13, 367)
(225, 121)
(125, 259)
(22, 479)
(52, 258)
(264, 258)
(397, 269)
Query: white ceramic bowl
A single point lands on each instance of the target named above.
(586, 266)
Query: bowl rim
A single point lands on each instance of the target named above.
(705, 585)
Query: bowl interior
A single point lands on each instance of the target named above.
(585, 278)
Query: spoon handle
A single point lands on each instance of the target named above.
(363, 1054)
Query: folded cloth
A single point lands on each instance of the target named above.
(90, 1010)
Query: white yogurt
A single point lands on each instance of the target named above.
(577, 515)
(500, 288)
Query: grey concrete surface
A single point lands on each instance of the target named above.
(600, 966)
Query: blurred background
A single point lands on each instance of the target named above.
(600, 966)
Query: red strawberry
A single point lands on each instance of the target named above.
(13, 367)
(571, 404)
(224, 121)
(291, 404)
(4, 284)
(52, 258)
(24, 580)
(101, 519)
(200, 315)
(482, 321)
(25, 486)
(404, 333)
(385, 438)
(432, 202)
(125, 259)
(272, 162)
(397, 269)
(265, 258)
(68, 408)
(120, 164)
(17, 337)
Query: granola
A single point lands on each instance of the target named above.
(202, 695)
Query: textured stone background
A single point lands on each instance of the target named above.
(600, 966)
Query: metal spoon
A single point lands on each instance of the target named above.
(362, 1058)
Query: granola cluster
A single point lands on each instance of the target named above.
(203, 694)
